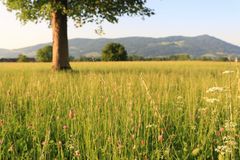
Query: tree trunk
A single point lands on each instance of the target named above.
(60, 58)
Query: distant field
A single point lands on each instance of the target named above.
(125, 110)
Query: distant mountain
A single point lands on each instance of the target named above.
(4, 53)
(203, 45)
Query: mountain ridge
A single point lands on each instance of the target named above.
(202, 45)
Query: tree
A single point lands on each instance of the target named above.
(22, 58)
(44, 54)
(135, 57)
(114, 52)
(71, 58)
(57, 13)
(181, 57)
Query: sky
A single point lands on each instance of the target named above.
(218, 18)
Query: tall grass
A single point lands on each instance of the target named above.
(137, 110)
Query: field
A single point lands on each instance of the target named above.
(125, 110)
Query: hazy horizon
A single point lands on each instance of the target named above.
(217, 18)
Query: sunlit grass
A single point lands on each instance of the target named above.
(125, 110)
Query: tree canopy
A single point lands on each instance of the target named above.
(44, 54)
(114, 52)
(22, 58)
(81, 11)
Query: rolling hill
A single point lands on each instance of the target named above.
(203, 45)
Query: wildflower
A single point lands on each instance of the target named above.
(230, 126)
(211, 100)
(221, 129)
(203, 110)
(229, 144)
(218, 133)
(65, 127)
(229, 140)
(221, 149)
(215, 89)
(228, 72)
(77, 153)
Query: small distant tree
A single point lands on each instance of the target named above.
(135, 57)
(224, 59)
(205, 58)
(180, 57)
(114, 52)
(22, 58)
(44, 54)
(71, 58)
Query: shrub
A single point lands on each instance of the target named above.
(22, 58)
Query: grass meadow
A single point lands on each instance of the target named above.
(124, 110)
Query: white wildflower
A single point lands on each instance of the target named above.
(77, 153)
(227, 148)
(224, 149)
(202, 110)
(221, 149)
(229, 142)
(215, 89)
(211, 100)
(228, 72)
(230, 126)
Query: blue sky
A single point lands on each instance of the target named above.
(219, 18)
